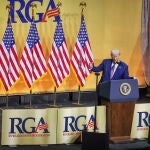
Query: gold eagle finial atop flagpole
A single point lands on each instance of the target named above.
(9, 7)
(33, 5)
(59, 4)
(83, 6)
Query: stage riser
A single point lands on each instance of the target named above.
(65, 98)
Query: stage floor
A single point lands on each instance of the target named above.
(136, 145)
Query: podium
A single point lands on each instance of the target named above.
(119, 97)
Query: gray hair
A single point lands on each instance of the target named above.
(115, 51)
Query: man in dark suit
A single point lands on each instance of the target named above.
(112, 69)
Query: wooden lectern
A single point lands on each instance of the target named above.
(119, 97)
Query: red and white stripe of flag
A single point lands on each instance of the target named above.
(33, 64)
(59, 63)
(81, 58)
(9, 66)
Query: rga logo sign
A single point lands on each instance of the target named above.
(23, 12)
(143, 122)
(74, 125)
(28, 127)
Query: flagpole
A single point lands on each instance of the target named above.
(7, 100)
(54, 98)
(9, 7)
(79, 95)
(59, 4)
(30, 99)
(82, 5)
(30, 94)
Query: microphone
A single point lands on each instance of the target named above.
(118, 62)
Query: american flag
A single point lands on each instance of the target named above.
(82, 55)
(58, 62)
(9, 66)
(33, 64)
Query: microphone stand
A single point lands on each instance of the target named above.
(97, 75)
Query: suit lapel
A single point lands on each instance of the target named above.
(109, 68)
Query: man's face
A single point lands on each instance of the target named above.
(115, 57)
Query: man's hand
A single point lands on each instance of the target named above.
(91, 65)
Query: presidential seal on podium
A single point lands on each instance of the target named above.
(125, 88)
